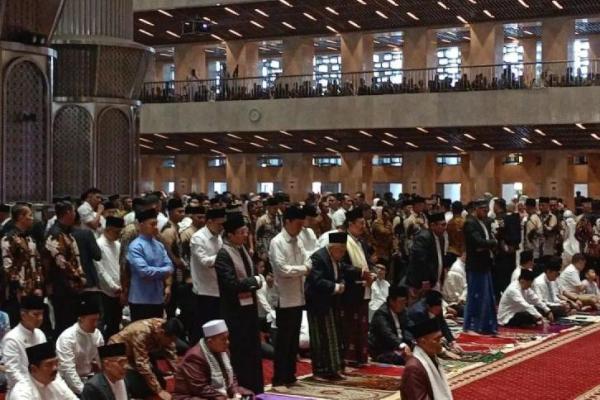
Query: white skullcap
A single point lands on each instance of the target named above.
(214, 327)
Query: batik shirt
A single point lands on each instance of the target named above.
(65, 269)
(267, 227)
(21, 261)
(141, 338)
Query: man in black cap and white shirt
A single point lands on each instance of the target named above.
(26, 334)
(76, 347)
(42, 381)
(110, 383)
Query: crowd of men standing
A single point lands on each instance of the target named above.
(232, 275)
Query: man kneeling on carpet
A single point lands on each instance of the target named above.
(205, 371)
(389, 339)
(520, 306)
(424, 377)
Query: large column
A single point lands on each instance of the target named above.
(594, 53)
(482, 174)
(419, 49)
(352, 172)
(243, 56)
(298, 54)
(241, 173)
(557, 42)
(190, 57)
(419, 168)
(529, 58)
(357, 52)
(487, 42)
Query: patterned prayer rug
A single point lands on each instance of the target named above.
(358, 380)
(380, 370)
(270, 396)
(321, 391)
(593, 394)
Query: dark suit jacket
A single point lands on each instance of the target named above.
(477, 246)
(354, 292)
(418, 312)
(320, 283)
(423, 260)
(415, 383)
(97, 388)
(88, 253)
(383, 337)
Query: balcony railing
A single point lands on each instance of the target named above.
(465, 78)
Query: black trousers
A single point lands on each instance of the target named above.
(504, 265)
(146, 311)
(207, 309)
(112, 314)
(289, 321)
(245, 348)
(186, 301)
(522, 319)
(64, 312)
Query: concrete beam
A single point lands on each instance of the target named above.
(484, 108)
(148, 5)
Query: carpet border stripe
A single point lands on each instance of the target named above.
(489, 369)
(592, 394)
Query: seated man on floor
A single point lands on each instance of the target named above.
(424, 377)
(148, 341)
(110, 383)
(591, 283)
(43, 381)
(455, 286)
(205, 371)
(519, 304)
(546, 288)
(428, 307)
(389, 339)
(77, 346)
(570, 284)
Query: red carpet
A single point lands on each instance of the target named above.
(302, 368)
(373, 369)
(483, 340)
(561, 373)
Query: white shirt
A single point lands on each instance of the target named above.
(204, 248)
(569, 280)
(515, 300)
(50, 223)
(546, 290)
(118, 388)
(324, 239)
(76, 350)
(379, 293)
(338, 218)
(591, 287)
(129, 218)
(162, 221)
(516, 273)
(14, 356)
(30, 389)
(86, 215)
(108, 267)
(455, 285)
(309, 240)
(265, 301)
(288, 260)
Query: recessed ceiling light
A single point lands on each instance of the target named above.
(147, 147)
(209, 141)
(307, 15)
(388, 143)
(216, 37)
(539, 132)
(285, 146)
(217, 151)
(308, 141)
(458, 149)
(557, 4)
(413, 16)
(172, 148)
(488, 146)
(257, 24)
(363, 2)
(595, 136)
(160, 136)
(145, 21)
(472, 1)
(393, 2)
(461, 19)
(286, 133)
(235, 149)
(286, 3)
(580, 126)
(382, 15)
(331, 150)
(526, 140)
(173, 34)
(191, 144)
(441, 139)
(236, 33)
(422, 130)
(212, 21)
(331, 10)
(261, 12)
(261, 138)
(390, 135)
(288, 25)
(256, 144)
(446, 41)
(234, 136)
(331, 139)
(466, 38)
(411, 144)
(163, 12)
(469, 136)
(331, 29)
(232, 11)
(507, 129)
(522, 2)
(366, 133)
(556, 142)
(209, 50)
(354, 24)
(331, 48)
(353, 148)
(489, 14)
(528, 32)
(441, 4)
(146, 140)
(145, 32)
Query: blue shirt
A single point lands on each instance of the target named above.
(149, 264)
